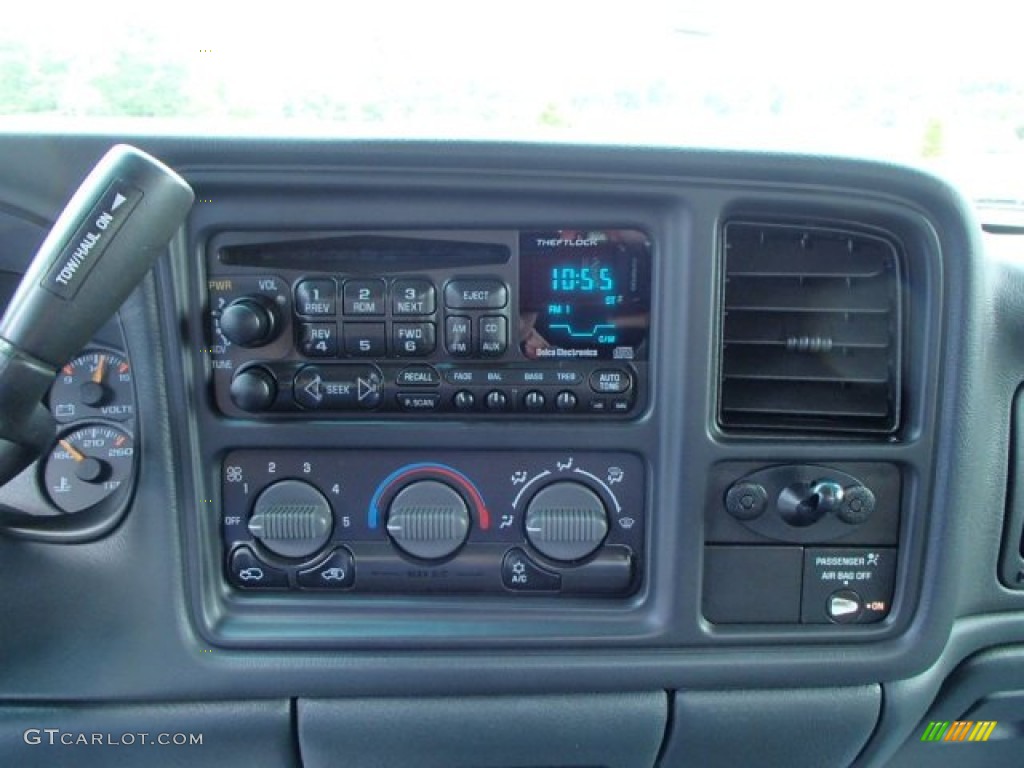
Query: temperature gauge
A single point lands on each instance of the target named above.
(87, 466)
(96, 384)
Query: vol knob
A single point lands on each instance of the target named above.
(251, 321)
(566, 521)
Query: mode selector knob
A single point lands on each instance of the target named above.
(292, 519)
(251, 321)
(566, 521)
(428, 520)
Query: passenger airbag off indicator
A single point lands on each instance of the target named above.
(78, 257)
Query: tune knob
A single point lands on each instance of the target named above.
(428, 520)
(251, 321)
(253, 389)
(566, 521)
(292, 519)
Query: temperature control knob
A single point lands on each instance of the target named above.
(428, 520)
(292, 519)
(251, 321)
(566, 521)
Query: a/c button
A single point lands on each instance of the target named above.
(520, 574)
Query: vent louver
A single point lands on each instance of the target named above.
(811, 330)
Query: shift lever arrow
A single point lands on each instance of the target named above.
(114, 227)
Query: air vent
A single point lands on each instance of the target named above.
(811, 330)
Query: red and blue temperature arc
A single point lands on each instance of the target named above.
(402, 473)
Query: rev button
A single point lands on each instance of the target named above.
(520, 574)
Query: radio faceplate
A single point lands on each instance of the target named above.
(474, 323)
(500, 523)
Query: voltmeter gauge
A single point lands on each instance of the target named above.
(95, 385)
(87, 466)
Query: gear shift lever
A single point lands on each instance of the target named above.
(106, 239)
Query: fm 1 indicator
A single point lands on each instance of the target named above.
(96, 384)
(87, 466)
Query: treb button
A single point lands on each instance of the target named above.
(610, 381)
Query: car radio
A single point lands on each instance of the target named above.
(474, 323)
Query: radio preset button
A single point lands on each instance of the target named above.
(534, 400)
(419, 401)
(364, 297)
(458, 336)
(566, 401)
(413, 297)
(316, 298)
(493, 335)
(318, 339)
(497, 400)
(338, 387)
(610, 381)
(464, 400)
(475, 293)
(365, 339)
(413, 339)
(418, 376)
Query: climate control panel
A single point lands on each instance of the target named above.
(499, 523)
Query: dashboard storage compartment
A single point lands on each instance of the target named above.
(612, 730)
(793, 727)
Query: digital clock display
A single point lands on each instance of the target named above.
(584, 294)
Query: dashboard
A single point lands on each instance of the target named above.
(544, 455)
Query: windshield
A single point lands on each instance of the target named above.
(916, 82)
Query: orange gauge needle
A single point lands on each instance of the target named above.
(76, 454)
(101, 369)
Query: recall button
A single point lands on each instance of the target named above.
(418, 376)
(520, 574)
(609, 381)
(475, 293)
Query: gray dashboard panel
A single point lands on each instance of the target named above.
(151, 591)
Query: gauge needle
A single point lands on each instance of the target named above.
(76, 454)
(101, 369)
